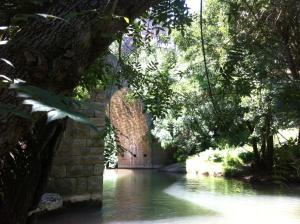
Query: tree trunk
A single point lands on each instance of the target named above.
(268, 145)
(263, 147)
(270, 154)
(51, 54)
(299, 136)
(256, 161)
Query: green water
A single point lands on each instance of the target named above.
(137, 196)
(145, 196)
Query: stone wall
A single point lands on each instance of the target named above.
(77, 172)
(132, 131)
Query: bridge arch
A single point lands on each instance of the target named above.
(77, 171)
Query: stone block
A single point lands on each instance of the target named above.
(96, 141)
(91, 159)
(98, 105)
(79, 170)
(99, 134)
(100, 113)
(63, 186)
(98, 122)
(58, 171)
(81, 132)
(95, 184)
(82, 184)
(98, 169)
(92, 151)
(79, 142)
(63, 160)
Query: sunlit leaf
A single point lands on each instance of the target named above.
(5, 78)
(56, 107)
(7, 62)
(3, 42)
(126, 19)
(48, 16)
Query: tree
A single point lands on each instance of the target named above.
(50, 45)
(252, 91)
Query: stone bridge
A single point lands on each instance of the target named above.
(77, 171)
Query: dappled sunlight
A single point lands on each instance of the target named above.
(197, 165)
(114, 174)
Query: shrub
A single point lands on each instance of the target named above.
(233, 166)
(287, 161)
(246, 157)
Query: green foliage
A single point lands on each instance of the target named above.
(246, 157)
(170, 14)
(110, 146)
(287, 161)
(234, 166)
(249, 102)
(55, 106)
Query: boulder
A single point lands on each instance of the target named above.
(49, 202)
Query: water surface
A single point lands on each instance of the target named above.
(148, 196)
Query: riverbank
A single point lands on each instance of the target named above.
(235, 163)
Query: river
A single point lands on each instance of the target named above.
(148, 196)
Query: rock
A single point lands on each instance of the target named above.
(48, 202)
(174, 168)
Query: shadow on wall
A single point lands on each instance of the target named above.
(127, 116)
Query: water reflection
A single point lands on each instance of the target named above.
(141, 196)
(145, 196)
(238, 202)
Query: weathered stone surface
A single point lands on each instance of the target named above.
(63, 186)
(50, 201)
(80, 130)
(64, 160)
(98, 169)
(78, 165)
(79, 170)
(59, 171)
(95, 141)
(79, 142)
(95, 197)
(82, 184)
(91, 159)
(95, 184)
(97, 121)
(130, 122)
(99, 113)
(91, 151)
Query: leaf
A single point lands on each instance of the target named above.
(48, 16)
(126, 19)
(56, 107)
(5, 78)
(7, 62)
(37, 106)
